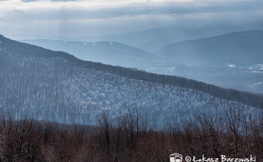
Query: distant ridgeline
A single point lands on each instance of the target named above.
(24, 50)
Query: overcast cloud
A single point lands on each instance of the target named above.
(97, 17)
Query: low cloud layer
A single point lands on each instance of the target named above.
(95, 17)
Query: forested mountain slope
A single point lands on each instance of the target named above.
(55, 86)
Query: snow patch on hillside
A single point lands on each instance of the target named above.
(231, 65)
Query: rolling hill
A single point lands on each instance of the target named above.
(112, 53)
(236, 49)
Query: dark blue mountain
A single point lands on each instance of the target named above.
(237, 49)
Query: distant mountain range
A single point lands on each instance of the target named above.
(154, 39)
(239, 49)
(209, 30)
(231, 60)
(111, 53)
(56, 86)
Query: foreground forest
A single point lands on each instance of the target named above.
(234, 135)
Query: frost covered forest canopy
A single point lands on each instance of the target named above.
(55, 86)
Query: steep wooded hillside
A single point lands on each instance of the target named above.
(56, 86)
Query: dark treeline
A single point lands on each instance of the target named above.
(234, 135)
(25, 50)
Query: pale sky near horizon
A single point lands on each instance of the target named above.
(98, 17)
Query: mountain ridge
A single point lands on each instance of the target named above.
(112, 53)
(230, 47)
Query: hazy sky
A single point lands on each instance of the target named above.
(97, 17)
